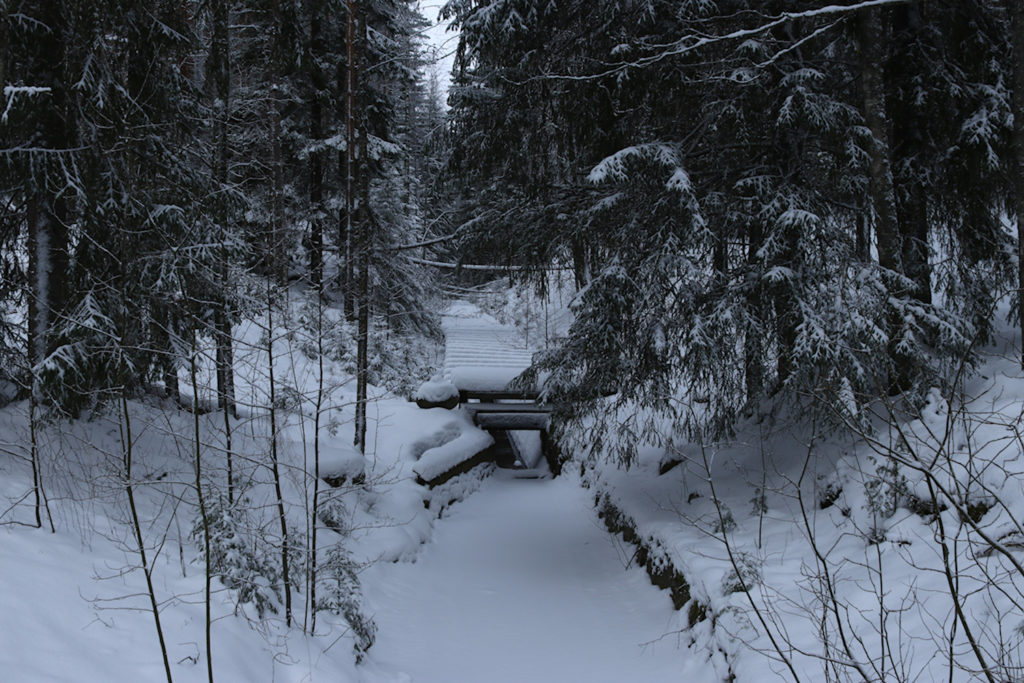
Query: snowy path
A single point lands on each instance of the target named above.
(481, 353)
(521, 583)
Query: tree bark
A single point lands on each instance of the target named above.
(316, 164)
(350, 160)
(881, 189)
(753, 349)
(908, 143)
(363, 335)
(1017, 37)
(220, 74)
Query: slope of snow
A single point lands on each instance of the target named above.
(822, 523)
(446, 457)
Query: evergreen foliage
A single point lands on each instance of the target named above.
(722, 202)
(340, 594)
(243, 561)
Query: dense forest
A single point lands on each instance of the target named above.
(759, 199)
(162, 159)
(756, 206)
(755, 199)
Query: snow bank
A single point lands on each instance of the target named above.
(340, 463)
(440, 463)
(436, 390)
(762, 525)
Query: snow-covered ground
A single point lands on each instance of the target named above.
(480, 352)
(522, 583)
(518, 580)
(889, 553)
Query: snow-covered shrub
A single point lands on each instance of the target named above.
(334, 514)
(339, 593)
(336, 336)
(745, 574)
(239, 557)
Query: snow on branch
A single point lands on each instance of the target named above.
(614, 167)
(474, 266)
(12, 93)
(693, 42)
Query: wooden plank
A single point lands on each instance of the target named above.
(520, 420)
(466, 395)
(530, 407)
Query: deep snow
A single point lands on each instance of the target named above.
(522, 583)
(518, 582)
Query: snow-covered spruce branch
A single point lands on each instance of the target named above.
(482, 267)
(694, 42)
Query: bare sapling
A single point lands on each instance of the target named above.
(147, 570)
(203, 516)
(275, 465)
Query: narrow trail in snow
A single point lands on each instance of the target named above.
(479, 351)
(521, 582)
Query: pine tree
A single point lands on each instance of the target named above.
(793, 142)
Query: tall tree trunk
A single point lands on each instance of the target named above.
(276, 255)
(873, 37)
(220, 73)
(316, 164)
(5, 42)
(907, 144)
(47, 267)
(1017, 31)
(350, 161)
(880, 182)
(365, 252)
(357, 199)
(753, 349)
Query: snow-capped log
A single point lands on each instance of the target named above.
(462, 454)
(437, 393)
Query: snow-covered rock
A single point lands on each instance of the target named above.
(341, 463)
(437, 393)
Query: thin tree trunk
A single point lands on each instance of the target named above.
(753, 348)
(274, 465)
(37, 324)
(363, 333)
(362, 346)
(316, 165)
(204, 518)
(350, 170)
(41, 502)
(315, 512)
(220, 68)
(1017, 31)
(127, 446)
(276, 259)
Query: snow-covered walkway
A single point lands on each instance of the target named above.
(521, 583)
(480, 352)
